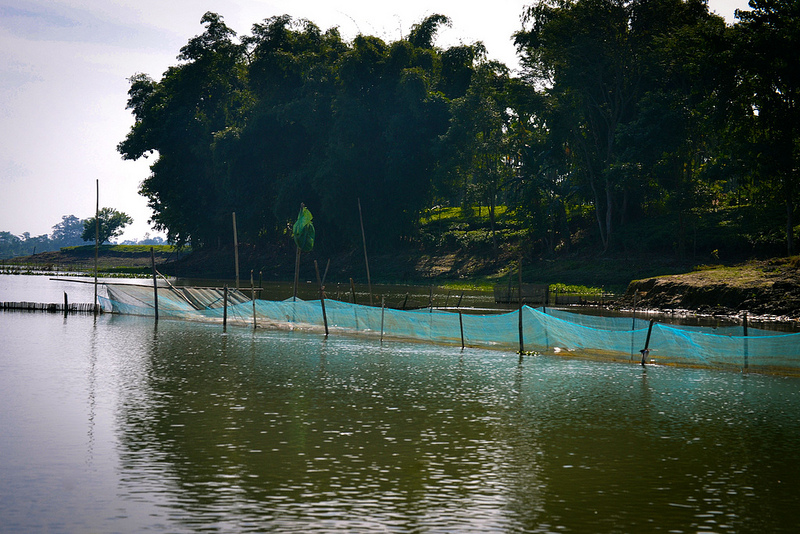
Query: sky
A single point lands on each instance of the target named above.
(65, 65)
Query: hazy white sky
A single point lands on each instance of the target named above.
(64, 66)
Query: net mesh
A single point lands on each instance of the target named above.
(542, 331)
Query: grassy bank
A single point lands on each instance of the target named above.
(113, 260)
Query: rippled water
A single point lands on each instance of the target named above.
(115, 424)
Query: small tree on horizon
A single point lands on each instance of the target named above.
(112, 222)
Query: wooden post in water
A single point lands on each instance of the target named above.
(646, 350)
(633, 323)
(383, 311)
(96, 240)
(461, 325)
(366, 260)
(224, 307)
(746, 344)
(66, 304)
(235, 249)
(253, 297)
(155, 282)
(322, 297)
(296, 273)
(521, 340)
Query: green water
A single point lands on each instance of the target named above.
(115, 424)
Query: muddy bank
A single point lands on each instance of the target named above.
(82, 258)
(758, 288)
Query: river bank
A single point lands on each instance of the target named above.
(768, 288)
(760, 288)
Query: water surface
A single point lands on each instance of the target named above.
(116, 424)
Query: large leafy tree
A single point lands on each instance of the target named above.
(112, 223)
(583, 53)
(627, 83)
(767, 42)
(68, 232)
(292, 115)
(179, 117)
(477, 158)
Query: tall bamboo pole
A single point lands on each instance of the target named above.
(521, 339)
(96, 241)
(322, 295)
(253, 297)
(297, 263)
(366, 260)
(155, 282)
(236, 250)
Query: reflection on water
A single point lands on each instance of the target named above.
(114, 424)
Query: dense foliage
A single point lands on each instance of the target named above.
(111, 224)
(627, 114)
(66, 233)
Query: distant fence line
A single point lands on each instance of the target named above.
(74, 307)
(541, 295)
(7, 267)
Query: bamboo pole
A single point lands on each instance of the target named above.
(461, 325)
(296, 273)
(646, 350)
(746, 344)
(383, 312)
(366, 260)
(96, 238)
(224, 307)
(521, 340)
(236, 249)
(253, 297)
(155, 282)
(322, 296)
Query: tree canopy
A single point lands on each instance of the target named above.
(623, 112)
(112, 223)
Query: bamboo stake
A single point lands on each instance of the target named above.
(253, 297)
(225, 307)
(461, 324)
(96, 239)
(646, 350)
(366, 260)
(322, 297)
(521, 340)
(236, 250)
(383, 311)
(155, 282)
(746, 344)
(296, 273)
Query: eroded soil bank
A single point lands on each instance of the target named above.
(770, 288)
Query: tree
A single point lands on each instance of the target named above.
(68, 232)
(180, 118)
(112, 223)
(583, 52)
(477, 140)
(767, 40)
